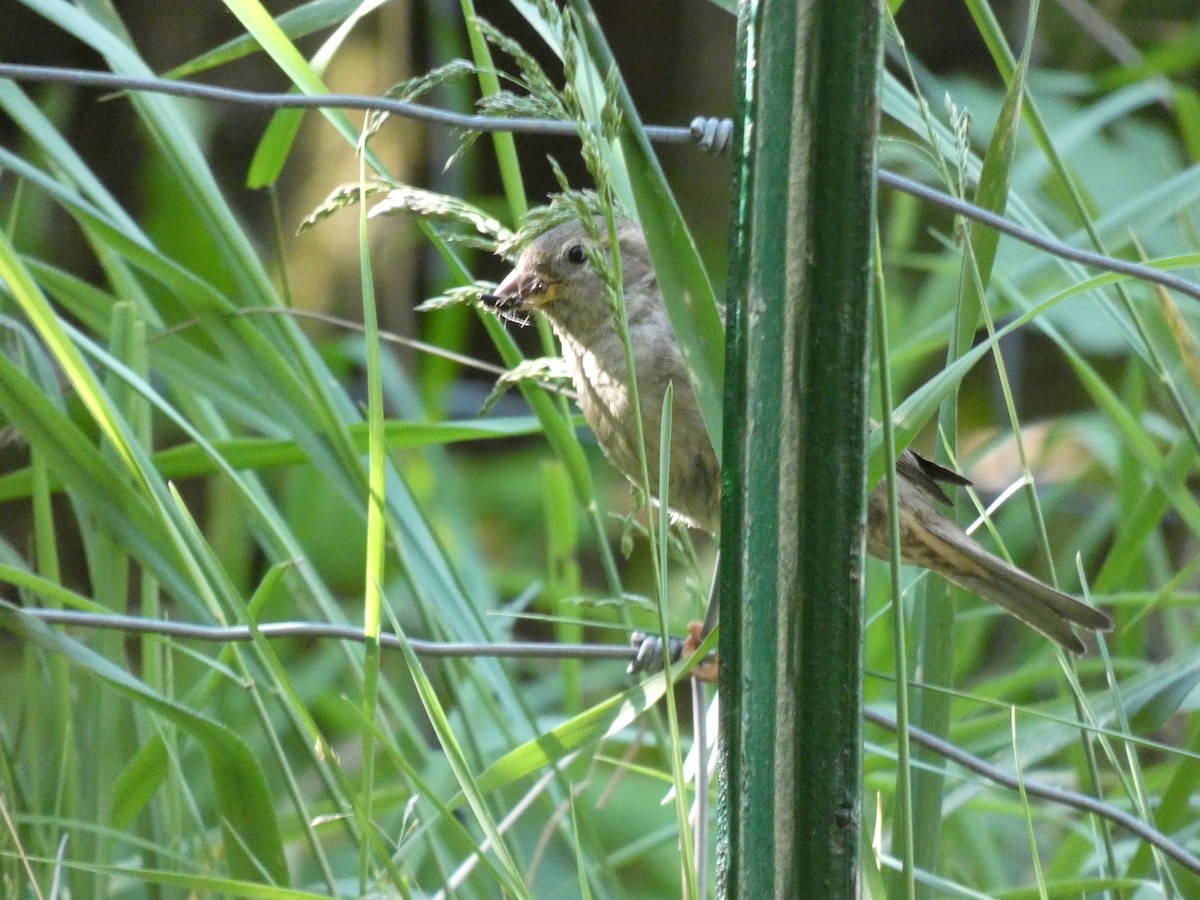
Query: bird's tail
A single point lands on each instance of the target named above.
(1041, 607)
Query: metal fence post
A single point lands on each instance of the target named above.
(795, 417)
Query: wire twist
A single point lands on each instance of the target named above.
(646, 652)
(712, 135)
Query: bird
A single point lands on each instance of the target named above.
(555, 276)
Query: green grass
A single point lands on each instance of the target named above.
(184, 454)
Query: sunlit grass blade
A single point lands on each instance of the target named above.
(259, 454)
(295, 23)
(605, 719)
(473, 789)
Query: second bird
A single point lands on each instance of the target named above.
(555, 277)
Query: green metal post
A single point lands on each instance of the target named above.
(795, 422)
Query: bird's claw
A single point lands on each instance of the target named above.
(648, 653)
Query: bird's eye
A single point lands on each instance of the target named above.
(576, 254)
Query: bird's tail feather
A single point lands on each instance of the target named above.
(1041, 607)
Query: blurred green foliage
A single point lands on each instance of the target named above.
(169, 766)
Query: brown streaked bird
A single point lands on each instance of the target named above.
(554, 277)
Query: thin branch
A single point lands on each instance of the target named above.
(1072, 799)
(390, 337)
(1103, 32)
(344, 324)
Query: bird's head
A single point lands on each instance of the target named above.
(555, 275)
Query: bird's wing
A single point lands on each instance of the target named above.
(926, 474)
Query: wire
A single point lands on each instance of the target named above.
(530, 649)
(1050, 245)
(711, 135)
(516, 125)
(244, 634)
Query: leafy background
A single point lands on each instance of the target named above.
(145, 310)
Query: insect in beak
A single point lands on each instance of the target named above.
(518, 293)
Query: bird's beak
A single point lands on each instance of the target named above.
(510, 292)
(521, 291)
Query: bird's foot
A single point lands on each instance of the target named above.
(648, 653)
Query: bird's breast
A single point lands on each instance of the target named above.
(604, 398)
(602, 384)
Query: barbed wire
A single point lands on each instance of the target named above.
(704, 132)
(243, 633)
(532, 649)
(712, 135)
(1040, 241)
